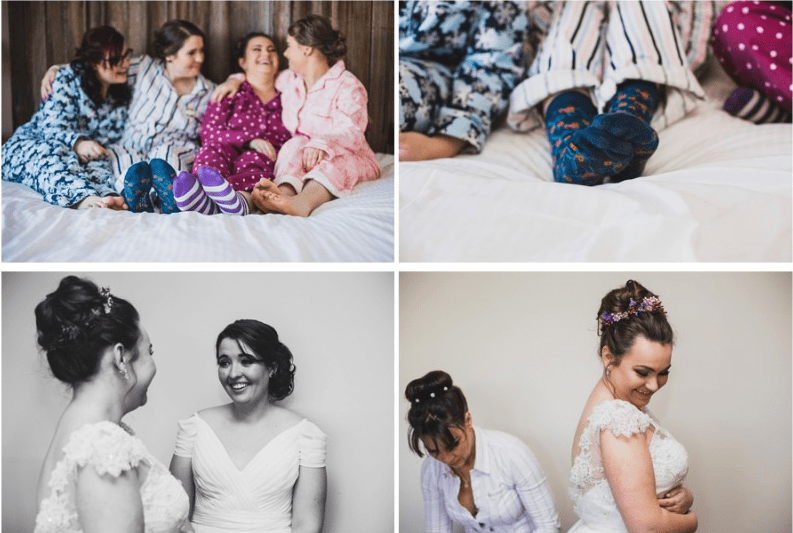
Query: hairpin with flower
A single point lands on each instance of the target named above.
(649, 304)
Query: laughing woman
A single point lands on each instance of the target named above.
(251, 465)
(628, 471)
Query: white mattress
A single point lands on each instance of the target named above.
(717, 189)
(356, 228)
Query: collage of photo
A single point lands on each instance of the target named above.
(415, 266)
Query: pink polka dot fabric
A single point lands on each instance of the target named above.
(752, 40)
(227, 128)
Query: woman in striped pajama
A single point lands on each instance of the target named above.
(512, 493)
(606, 77)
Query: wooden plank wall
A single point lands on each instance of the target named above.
(46, 33)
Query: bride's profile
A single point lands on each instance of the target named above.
(97, 476)
(628, 471)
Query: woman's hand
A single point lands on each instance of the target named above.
(88, 150)
(311, 157)
(415, 146)
(227, 89)
(263, 147)
(46, 81)
(678, 500)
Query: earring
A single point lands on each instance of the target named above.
(123, 370)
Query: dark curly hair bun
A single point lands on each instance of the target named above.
(317, 32)
(436, 404)
(77, 323)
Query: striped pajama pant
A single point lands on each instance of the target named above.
(598, 45)
(180, 157)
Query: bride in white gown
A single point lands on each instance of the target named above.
(97, 476)
(627, 470)
(252, 465)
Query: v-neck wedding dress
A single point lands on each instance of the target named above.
(257, 497)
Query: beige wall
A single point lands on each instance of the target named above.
(523, 348)
(338, 326)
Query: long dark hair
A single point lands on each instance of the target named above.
(100, 44)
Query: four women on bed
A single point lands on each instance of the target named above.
(481, 479)
(252, 465)
(62, 152)
(97, 476)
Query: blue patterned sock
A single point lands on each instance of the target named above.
(162, 175)
(137, 184)
(628, 115)
(582, 154)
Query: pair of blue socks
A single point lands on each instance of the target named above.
(144, 176)
(588, 147)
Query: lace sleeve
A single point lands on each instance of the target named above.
(619, 417)
(185, 438)
(105, 447)
(311, 445)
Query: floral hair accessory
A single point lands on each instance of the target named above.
(432, 394)
(649, 304)
(108, 305)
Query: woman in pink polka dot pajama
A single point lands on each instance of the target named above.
(752, 40)
(325, 109)
(240, 137)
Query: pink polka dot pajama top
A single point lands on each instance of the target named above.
(228, 127)
(330, 116)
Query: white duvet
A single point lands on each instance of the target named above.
(717, 189)
(356, 228)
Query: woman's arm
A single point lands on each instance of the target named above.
(308, 500)
(629, 470)
(182, 469)
(349, 118)
(435, 518)
(106, 503)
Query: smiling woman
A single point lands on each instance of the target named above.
(276, 454)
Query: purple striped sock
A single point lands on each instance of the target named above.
(219, 190)
(190, 196)
(752, 105)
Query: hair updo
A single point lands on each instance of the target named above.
(263, 340)
(77, 323)
(436, 405)
(317, 32)
(619, 336)
(170, 38)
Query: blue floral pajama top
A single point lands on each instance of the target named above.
(458, 62)
(41, 153)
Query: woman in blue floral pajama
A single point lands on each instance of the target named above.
(458, 62)
(61, 153)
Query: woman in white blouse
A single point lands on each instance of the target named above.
(486, 481)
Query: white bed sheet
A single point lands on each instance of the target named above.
(718, 189)
(356, 228)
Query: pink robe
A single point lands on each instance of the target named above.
(331, 116)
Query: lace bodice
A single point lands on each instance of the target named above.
(110, 450)
(589, 489)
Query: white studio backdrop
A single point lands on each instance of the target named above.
(339, 327)
(524, 349)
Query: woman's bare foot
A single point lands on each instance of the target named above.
(272, 198)
(116, 203)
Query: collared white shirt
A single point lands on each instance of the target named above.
(510, 490)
